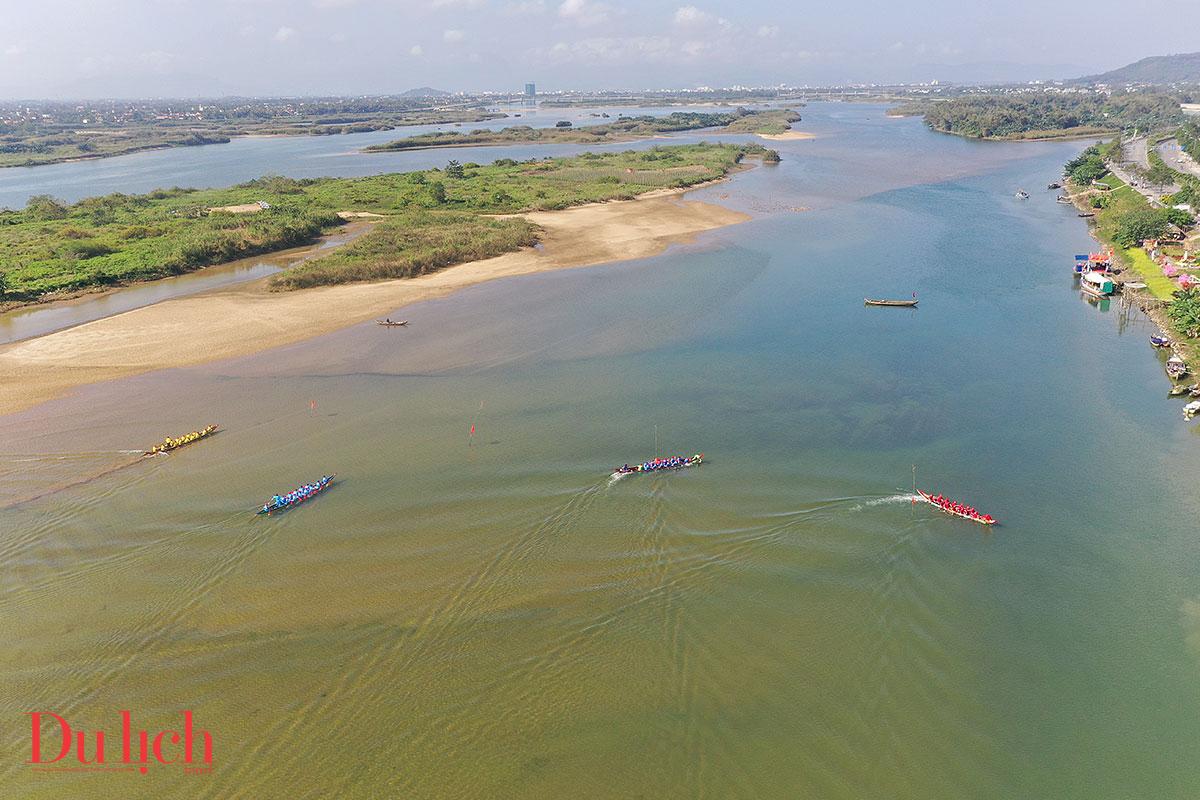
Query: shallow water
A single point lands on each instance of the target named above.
(490, 616)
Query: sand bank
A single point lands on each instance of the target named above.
(788, 136)
(247, 318)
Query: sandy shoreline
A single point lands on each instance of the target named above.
(247, 318)
(789, 136)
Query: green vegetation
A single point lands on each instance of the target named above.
(21, 150)
(623, 129)
(412, 244)
(1189, 139)
(1087, 167)
(1044, 115)
(53, 247)
(1159, 285)
(1185, 313)
(768, 122)
(1134, 227)
(1125, 219)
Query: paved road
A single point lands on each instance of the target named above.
(1136, 152)
(1152, 193)
(1176, 159)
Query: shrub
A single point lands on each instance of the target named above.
(1137, 226)
(42, 207)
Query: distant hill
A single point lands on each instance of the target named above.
(425, 91)
(1181, 68)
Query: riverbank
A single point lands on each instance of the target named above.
(1137, 267)
(248, 319)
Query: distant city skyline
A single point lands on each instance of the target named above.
(139, 48)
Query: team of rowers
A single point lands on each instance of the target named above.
(299, 493)
(170, 443)
(959, 508)
(673, 462)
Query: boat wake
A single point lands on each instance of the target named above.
(616, 476)
(893, 499)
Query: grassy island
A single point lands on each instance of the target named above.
(432, 219)
(624, 129)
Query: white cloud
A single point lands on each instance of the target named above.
(692, 16)
(457, 3)
(693, 48)
(453, 35)
(14, 50)
(416, 51)
(583, 12)
(284, 33)
(768, 31)
(610, 49)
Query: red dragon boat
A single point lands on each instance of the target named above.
(947, 507)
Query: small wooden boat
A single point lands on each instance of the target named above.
(1054, 186)
(895, 303)
(296, 496)
(1081, 214)
(170, 443)
(1191, 409)
(1066, 201)
(387, 323)
(947, 508)
(1022, 194)
(1160, 340)
(1176, 368)
(1179, 390)
(659, 465)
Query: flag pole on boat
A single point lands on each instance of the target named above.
(913, 496)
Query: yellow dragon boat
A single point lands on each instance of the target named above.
(168, 444)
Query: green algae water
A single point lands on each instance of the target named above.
(491, 615)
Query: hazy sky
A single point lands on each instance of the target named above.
(78, 48)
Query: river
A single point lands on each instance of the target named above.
(247, 157)
(488, 615)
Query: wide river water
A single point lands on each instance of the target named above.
(491, 616)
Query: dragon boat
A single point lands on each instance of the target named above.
(295, 497)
